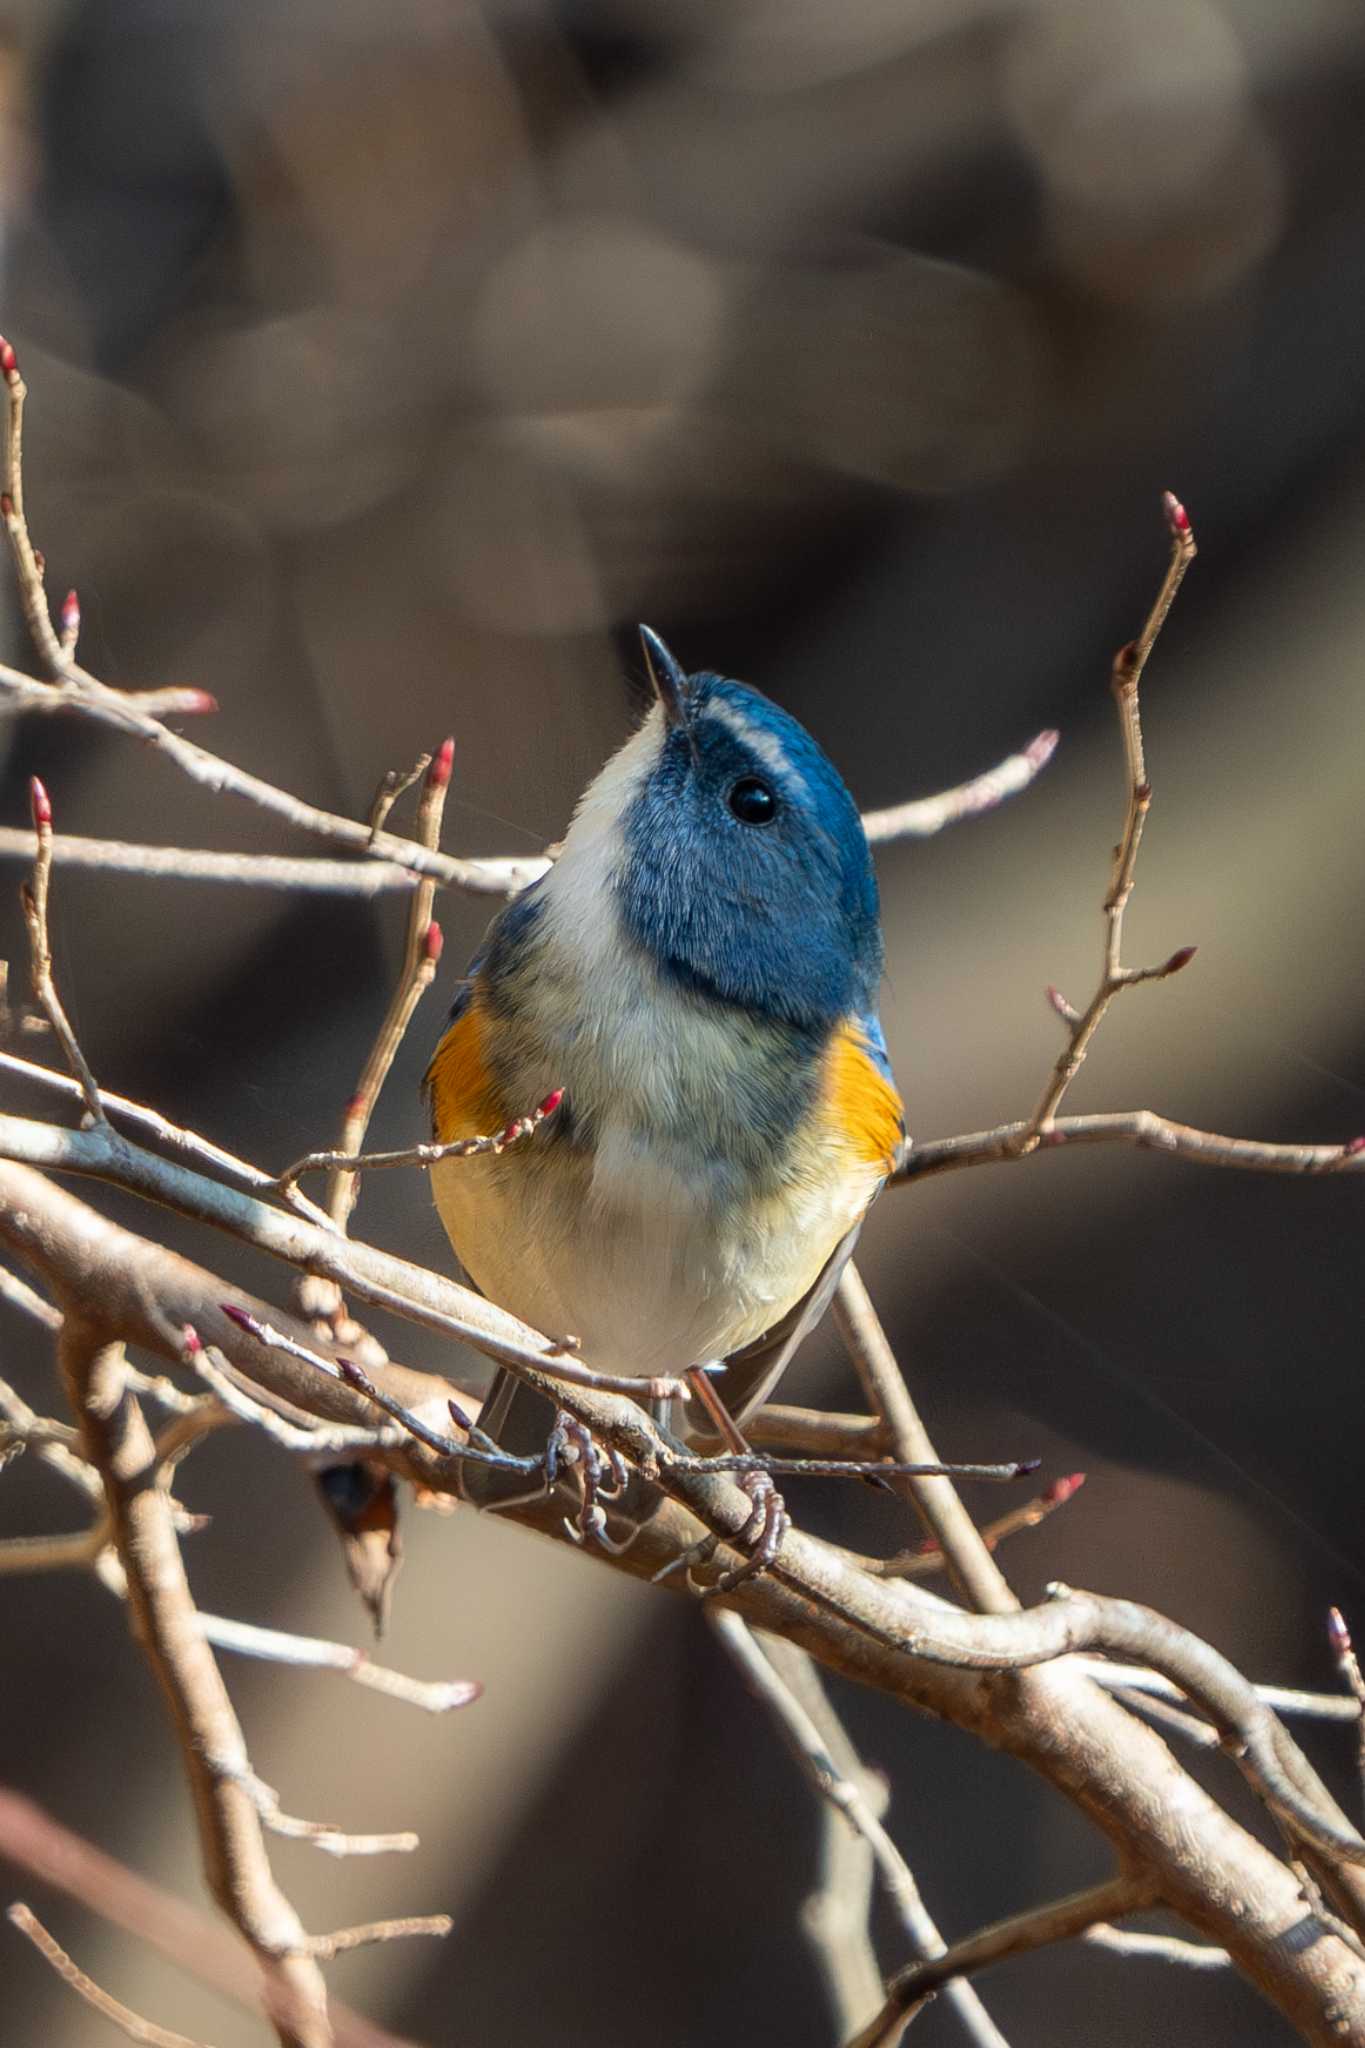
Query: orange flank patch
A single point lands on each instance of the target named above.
(465, 1102)
(863, 1106)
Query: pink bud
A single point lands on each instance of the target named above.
(242, 1317)
(1059, 1491)
(1352, 1148)
(40, 804)
(551, 1102)
(1180, 959)
(196, 703)
(1177, 518)
(71, 615)
(1338, 1633)
(9, 362)
(189, 1337)
(432, 942)
(442, 762)
(6, 505)
(1041, 749)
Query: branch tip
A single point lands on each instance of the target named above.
(1180, 958)
(40, 804)
(1337, 1632)
(191, 1340)
(442, 765)
(1177, 518)
(432, 943)
(9, 362)
(551, 1103)
(1058, 1491)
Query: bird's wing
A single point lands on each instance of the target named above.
(751, 1374)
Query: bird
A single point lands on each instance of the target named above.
(698, 972)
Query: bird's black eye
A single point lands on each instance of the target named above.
(753, 801)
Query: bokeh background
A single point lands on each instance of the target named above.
(388, 362)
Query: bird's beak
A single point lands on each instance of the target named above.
(669, 682)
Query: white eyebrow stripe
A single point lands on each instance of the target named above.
(768, 749)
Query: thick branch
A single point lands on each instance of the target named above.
(119, 1446)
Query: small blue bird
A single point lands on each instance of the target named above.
(699, 972)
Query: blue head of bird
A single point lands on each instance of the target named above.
(744, 871)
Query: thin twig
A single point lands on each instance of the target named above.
(786, 1681)
(925, 815)
(314, 1440)
(929, 1558)
(186, 1144)
(324, 1946)
(321, 1834)
(1164, 1948)
(108, 2007)
(33, 897)
(1129, 663)
(1141, 1127)
(246, 1639)
(309, 873)
(967, 1555)
(1042, 1926)
(207, 1949)
(421, 952)
(354, 1163)
(20, 1295)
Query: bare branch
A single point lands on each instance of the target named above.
(1063, 1920)
(888, 1634)
(207, 1949)
(1165, 1948)
(929, 1558)
(1133, 1127)
(421, 952)
(496, 1142)
(326, 1945)
(785, 1680)
(925, 815)
(433, 1696)
(310, 873)
(1129, 663)
(119, 1445)
(20, 1295)
(186, 1144)
(33, 897)
(108, 2008)
(966, 1554)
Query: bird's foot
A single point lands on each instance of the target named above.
(760, 1540)
(572, 1452)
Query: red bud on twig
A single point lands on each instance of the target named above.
(1338, 1633)
(71, 616)
(1352, 1148)
(1181, 958)
(40, 804)
(1041, 749)
(551, 1102)
(432, 942)
(1177, 518)
(243, 1319)
(442, 762)
(190, 1338)
(1059, 1491)
(9, 362)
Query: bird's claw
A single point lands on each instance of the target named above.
(572, 1452)
(760, 1539)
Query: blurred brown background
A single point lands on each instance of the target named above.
(388, 362)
